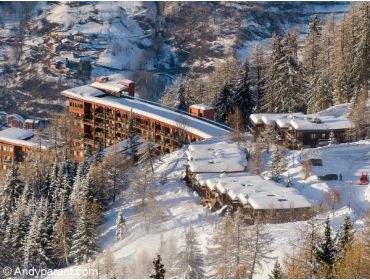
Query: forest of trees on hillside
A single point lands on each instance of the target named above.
(332, 67)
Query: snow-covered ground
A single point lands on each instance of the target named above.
(182, 209)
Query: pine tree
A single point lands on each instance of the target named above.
(326, 253)
(11, 191)
(278, 164)
(34, 254)
(84, 241)
(345, 237)
(223, 104)
(258, 69)
(242, 96)
(181, 105)
(191, 259)
(159, 271)
(120, 226)
(276, 273)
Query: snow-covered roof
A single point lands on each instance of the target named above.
(17, 136)
(31, 121)
(109, 86)
(83, 92)
(254, 190)
(18, 117)
(270, 118)
(202, 128)
(201, 107)
(326, 123)
(332, 118)
(216, 158)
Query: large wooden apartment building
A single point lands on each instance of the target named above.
(101, 112)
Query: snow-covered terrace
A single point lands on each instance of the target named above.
(254, 190)
(216, 158)
(17, 136)
(333, 118)
(96, 94)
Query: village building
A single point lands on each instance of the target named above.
(102, 111)
(218, 172)
(15, 144)
(203, 111)
(15, 120)
(297, 130)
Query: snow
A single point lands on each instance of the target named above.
(17, 136)
(205, 129)
(109, 86)
(18, 117)
(333, 118)
(83, 91)
(201, 107)
(219, 157)
(182, 207)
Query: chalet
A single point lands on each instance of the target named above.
(15, 143)
(218, 173)
(258, 198)
(221, 157)
(15, 120)
(297, 130)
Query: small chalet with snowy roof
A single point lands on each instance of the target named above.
(312, 130)
(15, 120)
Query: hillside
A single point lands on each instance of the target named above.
(149, 42)
(181, 209)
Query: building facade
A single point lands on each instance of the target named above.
(102, 111)
(15, 144)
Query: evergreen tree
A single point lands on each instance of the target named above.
(258, 69)
(275, 80)
(120, 226)
(276, 273)
(11, 191)
(223, 104)
(345, 237)
(159, 271)
(84, 241)
(191, 259)
(34, 254)
(278, 164)
(181, 105)
(326, 253)
(242, 96)
(290, 87)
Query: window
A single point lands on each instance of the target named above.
(313, 136)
